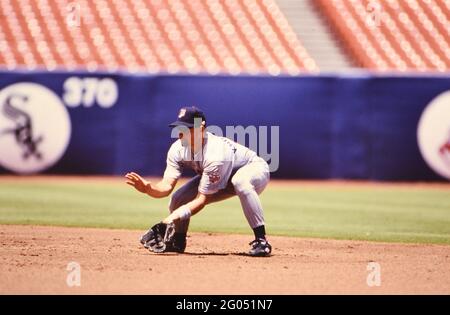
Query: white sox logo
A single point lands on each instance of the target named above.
(433, 134)
(34, 128)
(23, 130)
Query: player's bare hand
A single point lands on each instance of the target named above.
(135, 180)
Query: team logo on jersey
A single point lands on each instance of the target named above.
(433, 134)
(214, 177)
(34, 128)
(182, 113)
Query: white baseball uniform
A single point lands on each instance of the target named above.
(225, 169)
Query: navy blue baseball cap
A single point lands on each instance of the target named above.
(187, 115)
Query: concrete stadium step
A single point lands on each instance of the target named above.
(315, 35)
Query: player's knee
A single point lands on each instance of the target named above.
(241, 185)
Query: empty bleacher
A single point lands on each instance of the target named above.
(222, 36)
(195, 36)
(402, 35)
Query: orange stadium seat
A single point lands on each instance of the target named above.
(195, 36)
(401, 35)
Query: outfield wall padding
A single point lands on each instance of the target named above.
(344, 127)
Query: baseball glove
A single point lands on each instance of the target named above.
(159, 235)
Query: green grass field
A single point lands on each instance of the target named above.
(379, 213)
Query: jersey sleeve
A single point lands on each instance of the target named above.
(173, 164)
(215, 177)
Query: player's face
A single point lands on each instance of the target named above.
(184, 137)
(190, 136)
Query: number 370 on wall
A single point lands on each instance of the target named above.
(87, 92)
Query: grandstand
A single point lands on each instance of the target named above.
(220, 36)
(212, 36)
(398, 35)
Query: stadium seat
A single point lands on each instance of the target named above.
(403, 35)
(232, 37)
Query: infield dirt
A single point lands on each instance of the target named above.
(34, 260)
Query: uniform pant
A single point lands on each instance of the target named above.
(247, 183)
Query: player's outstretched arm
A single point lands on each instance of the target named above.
(162, 189)
(186, 211)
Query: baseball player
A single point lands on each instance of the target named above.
(224, 169)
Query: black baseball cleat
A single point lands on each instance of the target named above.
(260, 248)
